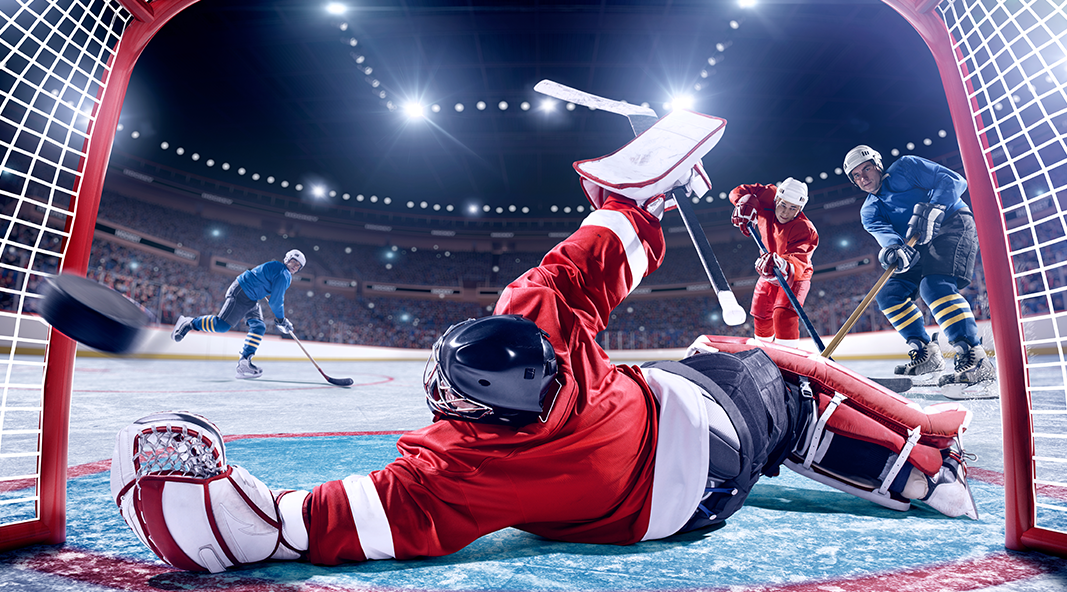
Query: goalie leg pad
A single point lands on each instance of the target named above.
(206, 524)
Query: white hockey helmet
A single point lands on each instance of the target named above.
(793, 192)
(859, 155)
(295, 254)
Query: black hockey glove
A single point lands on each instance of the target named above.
(284, 326)
(925, 222)
(903, 256)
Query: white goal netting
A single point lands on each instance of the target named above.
(56, 58)
(1013, 59)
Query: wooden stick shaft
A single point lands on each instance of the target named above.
(862, 307)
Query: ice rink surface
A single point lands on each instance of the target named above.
(294, 430)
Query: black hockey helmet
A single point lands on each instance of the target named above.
(495, 369)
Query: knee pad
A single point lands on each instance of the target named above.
(895, 292)
(256, 326)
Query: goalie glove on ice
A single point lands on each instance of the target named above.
(903, 256)
(173, 487)
(925, 222)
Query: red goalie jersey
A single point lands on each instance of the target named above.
(583, 474)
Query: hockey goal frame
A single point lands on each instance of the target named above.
(953, 31)
(998, 68)
(72, 57)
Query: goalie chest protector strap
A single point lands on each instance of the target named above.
(869, 412)
(750, 389)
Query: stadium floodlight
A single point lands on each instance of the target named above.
(336, 8)
(413, 110)
(318, 190)
(548, 105)
(682, 102)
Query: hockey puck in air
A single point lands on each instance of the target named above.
(92, 314)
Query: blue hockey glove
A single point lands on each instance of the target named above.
(903, 256)
(284, 326)
(925, 222)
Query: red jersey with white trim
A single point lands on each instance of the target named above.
(583, 475)
(794, 241)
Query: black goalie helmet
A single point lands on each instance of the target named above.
(495, 369)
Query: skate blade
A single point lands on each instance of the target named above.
(959, 391)
(928, 379)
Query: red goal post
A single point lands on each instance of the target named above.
(63, 77)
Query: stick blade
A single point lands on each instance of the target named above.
(897, 384)
(578, 97)
(340, 381)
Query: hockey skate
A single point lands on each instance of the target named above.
(246, 369)
(974, 376)
(947, 492)
(182, 328)
(926, 360)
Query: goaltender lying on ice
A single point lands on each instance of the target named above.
(534, 428)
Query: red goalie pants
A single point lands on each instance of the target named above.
(772, 313)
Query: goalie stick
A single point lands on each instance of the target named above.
(641, 118)
(333, 381)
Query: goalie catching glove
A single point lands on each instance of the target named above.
(903, 256)
(173, 487)
(767, 262)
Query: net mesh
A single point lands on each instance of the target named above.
(176, 449)
(56, 56)
(1013, 57)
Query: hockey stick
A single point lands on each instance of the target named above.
(897, 384)
(333, 381)
(789, 292)
(863, 306)
(641, 118)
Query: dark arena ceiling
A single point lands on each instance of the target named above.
(288, 91)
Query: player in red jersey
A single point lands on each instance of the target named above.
(790, 239)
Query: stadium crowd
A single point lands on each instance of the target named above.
(168, 287)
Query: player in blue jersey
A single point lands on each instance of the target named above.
(920, 199)
(269, 280)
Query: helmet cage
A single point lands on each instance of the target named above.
(441, 396)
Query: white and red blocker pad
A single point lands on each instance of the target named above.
(869, 411)
(665, 156)
(173, 488)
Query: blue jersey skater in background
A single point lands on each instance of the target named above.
(920, 199)
(269, 280)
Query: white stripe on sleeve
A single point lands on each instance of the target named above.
(369, 515)
(621, 227)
